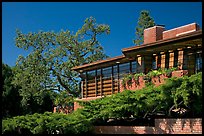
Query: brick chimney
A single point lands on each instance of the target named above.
(153, 34)
(180, 30)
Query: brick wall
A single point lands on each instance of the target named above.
(153, 34)
(155, 80)
(180, 30)
(162, 126)
(156, 33)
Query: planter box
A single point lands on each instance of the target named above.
(158, 80)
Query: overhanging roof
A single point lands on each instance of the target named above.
(101, 63)
(181, 41)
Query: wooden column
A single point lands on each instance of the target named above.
(86, 85)
(147, 63)
(96, 86)
(101, 79)
(175, 58)
(130, 66)
(191, 62)
(82, 89)
(140, 62)
(118, 78)
(112, 82)
(158, 60)
(163, 57)
(171, 58)
(180, 58)
(166, 59)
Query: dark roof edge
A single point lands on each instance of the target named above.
(98, 62)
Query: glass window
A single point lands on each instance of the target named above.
(124, 69)
(107, 72)
(198, 63)
(154, 64)
(134, 66)
(91, 74)
(115, 71)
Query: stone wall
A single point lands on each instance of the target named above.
(162, 126)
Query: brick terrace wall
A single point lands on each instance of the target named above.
(162, 126)
(155, 80)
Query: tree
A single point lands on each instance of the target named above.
(52, 55)
(10, 96)
(144, 21)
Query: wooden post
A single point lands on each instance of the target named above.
(180, 58)
(101, 82)
(171, 58)
(112, 83)
(175, 58)
(86, 85)
(166, 59)
(158, 61)
(163, 56)
(118, 78)
(191, 62)
(96, 82)
(130, 66)
(82, 89)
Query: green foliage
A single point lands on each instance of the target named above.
(168, 72)
(136, 77)
(10, 94)
(148, 101)
(127, 79)
(154, 73)
(47, 123)
(143, 103)
(64, 99)
(190, 93)
(144, 21)
(51, 57)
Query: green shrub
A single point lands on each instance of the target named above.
(183, 92)
(47, 123)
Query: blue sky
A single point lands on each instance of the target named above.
(121, 16)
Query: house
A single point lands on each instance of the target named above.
(178, 47)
